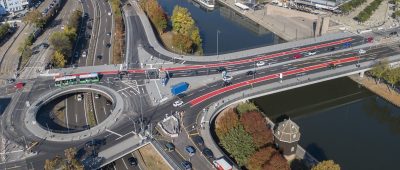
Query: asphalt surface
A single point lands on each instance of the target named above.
(85, 35)
(105, 25)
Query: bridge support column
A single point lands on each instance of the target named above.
(361, 74)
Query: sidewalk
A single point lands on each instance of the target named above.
(380, 89)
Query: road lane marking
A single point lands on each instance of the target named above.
(124, 163)
(76, 118)
(84, 108)
(105, 113)
(66, 113)
(158, 89)
(115, 133)
(94, 109)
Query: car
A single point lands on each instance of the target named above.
(250, 73)
(186, 165)
(190, 150)
(198, 140)
(108, 33)
(332, 66)
(260, 63)
(297, 56)
(220, 69)
(361, 51)
(208, 153)
(109, 13)
(45, 45)
(128, 4)
(62, 27)
(227, 78)
(10, 81)
(192, 72)
(310, 53)
(169, 147)
(86, 15)
(76, 55)
(226, 83)
(331, 49)
(108, 103)
(177, 103)
(108, 45)
(79, 97)
(89, 27)
(96, 96)
(132, 161)
(99, 57)
(84, 54)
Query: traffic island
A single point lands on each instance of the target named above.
(169, 126)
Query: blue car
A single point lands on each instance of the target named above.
(346, 45)
(191, 150)
(186, 165)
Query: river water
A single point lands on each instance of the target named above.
(235, 32)
(342, 121)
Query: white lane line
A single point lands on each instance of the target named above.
(105, 113)
(13, 167)
(94, 109)
(124, 163)
(76, 118)
(142, 90)
(115, 133)
(66, 113)
(183, 62)
(84, 108)
(124, 94)
(158, 89)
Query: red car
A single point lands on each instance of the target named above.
(19, 85)
(297, 56)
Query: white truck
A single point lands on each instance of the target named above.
(222, 164)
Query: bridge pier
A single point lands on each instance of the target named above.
(361, 74)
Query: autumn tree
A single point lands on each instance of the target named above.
(75, 19)
(182, 42)
(71, 162)
(255, 124)
(34, 17)
(228, 120)
(392, 76)
(261, 157)
(61, 42)
(52, 164)
(326, 165)
(70, 32)
(246, 107)
(59, 59)
(277, 162)
(239, 144)
(379, 70)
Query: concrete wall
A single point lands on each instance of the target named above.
(275, 10)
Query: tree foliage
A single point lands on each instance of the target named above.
(239, 144)
(4, 30)
(277, 162)
(368, 11)
(392, 76)
(261, 157)
(156, 14)
(183, 42)
(226, 122)
(59, 59)
(61, 42)
(34, 17)
(348, 6)
(255, 124)
(326, 165)
(379, 70)
(246, 107)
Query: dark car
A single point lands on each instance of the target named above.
(108, 45)
(208, 153)
(220, 69)
(45, 45)
(198, 140)
(132, 161)
(250, 73)
(331, 49)
(169, 147)
(226, 83)
(99, 57)
(186, 165)
(192, 72)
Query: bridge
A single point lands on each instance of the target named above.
(281, 71)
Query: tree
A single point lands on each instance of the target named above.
(255, 124)
(160, 19)
(26, 53)
(379, 70)
(326, 165)
(246, 107)
(59, 59)
(261, 157)
(51, 164)
(225, 122)
(60, 42)
(71, 162)
(195, 36)
(392, 76)
(277, 162)
(182, 42)
(182, 21)
(4, 30)
(70, 32)
(70, 154)
(239, 144)
(34, 17)
(75, 19)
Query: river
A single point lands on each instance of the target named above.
(235, 32)
(342, 121)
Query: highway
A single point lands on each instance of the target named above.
(102, 54)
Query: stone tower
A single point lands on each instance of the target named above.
(286, 137)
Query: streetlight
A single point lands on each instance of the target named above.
(218, 43)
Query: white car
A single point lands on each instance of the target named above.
(84, 54)
(109, 13)
(227, 78)
(178, 103)
(62, 27)
(310, 53)
(79, 97)
(260, 63)
(361, 51)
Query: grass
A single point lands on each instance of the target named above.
(152, 159)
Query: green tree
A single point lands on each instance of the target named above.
(239, 144)
(4, 30)
(61, 42)
(59, 59)
(34, 17)
(246, 107)
(182, 21)
(326, 165)
(70, 32)
(379, 70)
(75, 19)
(392, 76)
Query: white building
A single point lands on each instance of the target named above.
(12, 6)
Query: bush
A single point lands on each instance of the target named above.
(226, 122)
(347, 7)
(246, 107)
(368, 11)
(326, 165)
(255, 124)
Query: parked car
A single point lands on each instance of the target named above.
(108, 33)
(361, 51)
(190, 150)
(186, 165)
(79, 97)
(208, 153)
(297, 56)
(132, 161)
(84, 54)
(220, 69)
(177, 103)
(250, 73)
(169, 147)
(108, 45)
(310, 53)
(198, 140)
(227, 78)
(96, 96)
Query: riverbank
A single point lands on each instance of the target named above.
(380, 89)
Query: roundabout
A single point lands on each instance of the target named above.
(44, 117)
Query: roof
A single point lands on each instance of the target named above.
(88, 75)
(65, 78)
(287, 131)
(223, 163)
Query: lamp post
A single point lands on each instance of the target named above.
(218, 43)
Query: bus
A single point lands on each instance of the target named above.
(65, 81)
(89, 78)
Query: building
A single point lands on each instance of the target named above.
(12, 6)
(331, 5)
(286, 137)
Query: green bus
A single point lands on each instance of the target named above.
(65, 81)
(89, 78)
